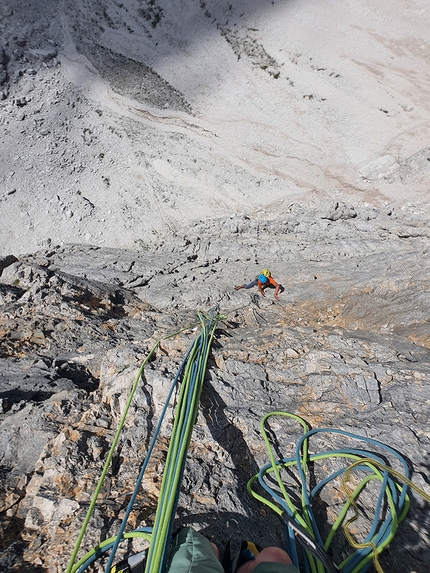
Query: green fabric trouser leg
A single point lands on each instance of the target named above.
(191, 552)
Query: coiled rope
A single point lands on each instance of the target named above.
(391, 506)
(191, 373)
(392, 500)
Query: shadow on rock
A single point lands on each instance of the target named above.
(253, 523)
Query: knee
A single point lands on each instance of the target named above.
(267, 555)
(273, 555)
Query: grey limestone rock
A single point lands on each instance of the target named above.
(337, 211)
(6, 261)
(346, 346)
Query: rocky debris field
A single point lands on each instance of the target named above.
(123, 121)
(347, 346)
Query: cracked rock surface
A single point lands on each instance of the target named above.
(345, 347)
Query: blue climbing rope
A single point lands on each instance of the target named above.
(305, 542)
(189, 378)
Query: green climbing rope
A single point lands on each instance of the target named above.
(300, 522)
(192, 381)
(185, 418)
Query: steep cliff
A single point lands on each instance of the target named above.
(346, 346)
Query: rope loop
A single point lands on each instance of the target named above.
(362, 468)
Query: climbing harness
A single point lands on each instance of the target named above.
(391, 506)
(190, 375)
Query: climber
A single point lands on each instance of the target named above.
(191, 552)
(262, 281)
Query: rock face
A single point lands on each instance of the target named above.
(153, 155)
(347, 346)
